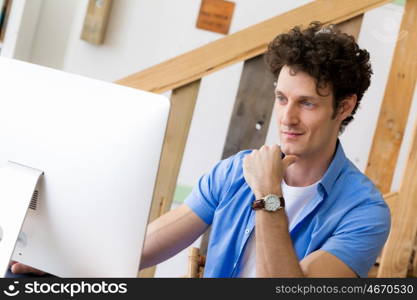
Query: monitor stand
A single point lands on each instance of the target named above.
(17, 185)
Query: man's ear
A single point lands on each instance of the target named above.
(346, 107)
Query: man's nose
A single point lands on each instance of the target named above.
(289, 114)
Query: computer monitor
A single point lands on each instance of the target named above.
(98, 145)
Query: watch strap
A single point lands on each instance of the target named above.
(260, 203)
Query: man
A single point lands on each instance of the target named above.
(335, 221)
(310, 214)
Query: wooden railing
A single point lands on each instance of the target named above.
(249, 121)
(385, 149)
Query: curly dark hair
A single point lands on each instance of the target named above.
(329, 56)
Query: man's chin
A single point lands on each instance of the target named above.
(286, 150)
(289, 150)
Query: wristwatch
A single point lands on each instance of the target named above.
(270, 202)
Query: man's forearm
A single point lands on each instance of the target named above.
(169, 234)
(275, 255)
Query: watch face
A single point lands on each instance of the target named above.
(272, 203)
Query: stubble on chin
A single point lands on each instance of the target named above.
(285, 149)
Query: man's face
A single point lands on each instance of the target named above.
(305, 119)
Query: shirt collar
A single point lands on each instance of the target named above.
(334, 169)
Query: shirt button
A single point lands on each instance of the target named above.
(247, 231)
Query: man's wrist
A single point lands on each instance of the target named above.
(262, 194)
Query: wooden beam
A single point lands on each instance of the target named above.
(193, 259)
(396, 104)
(252, 110)
(351, 26)
(182, 107)
(242, 45)
(397, 252)
(414, 264)
(392, 200)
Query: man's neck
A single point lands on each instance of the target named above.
(310, 169)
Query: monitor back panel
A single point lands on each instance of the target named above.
(99, 146)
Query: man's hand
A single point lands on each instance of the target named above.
(263, 170)
(18, 268)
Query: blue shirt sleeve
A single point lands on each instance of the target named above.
(211, 187)
(360, 236)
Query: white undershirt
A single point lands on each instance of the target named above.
(295, 200)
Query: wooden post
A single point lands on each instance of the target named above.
(252, 110)
(396, 104)
(397, 252)
(413, 272)
(183, 101)
(389, 133)
(392, 200)
(193, 262)
(351, 26)
(414, 266)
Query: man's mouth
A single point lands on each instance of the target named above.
(291, 134)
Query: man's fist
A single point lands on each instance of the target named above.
(264, 170)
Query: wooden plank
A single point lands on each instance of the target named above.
(397, 252)
(193, 259)
(351, 26)
(414, 264)
(95, 21)
(252, 110)
(242, 45)
(392, 200)
(182, 107)
(396, 103)
(251, 114)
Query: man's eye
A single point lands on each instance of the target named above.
(307, 104)
(280, 99)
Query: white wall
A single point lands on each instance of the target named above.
(54, 27)
(143, 33)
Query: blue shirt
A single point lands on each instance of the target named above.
(348, 218)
